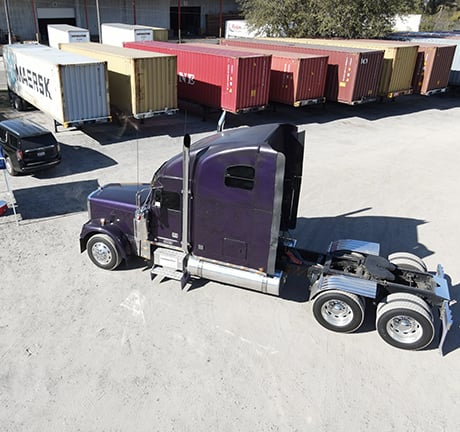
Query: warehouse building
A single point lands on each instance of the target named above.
(28, 19)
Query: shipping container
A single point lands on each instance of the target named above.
(352, 74)
(64, 33)
(117, 33)
(397, 68)
(70, 88)
(141, 84)
(160, 34)
(432, 69)
(235, 81)
(439, 39)
(295, 79)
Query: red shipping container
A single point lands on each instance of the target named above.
(353, 73)
(235, 81)
(295, 79)
(432, 70)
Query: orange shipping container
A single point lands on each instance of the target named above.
(295, 79)
(352, 74)
(432, 70)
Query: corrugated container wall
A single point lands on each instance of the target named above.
(160, 34)
(432, 70)
(70, 88)
(141, 84)
(234, 81)
(441, 39)
(397, 68)
(352, 73)
(295, 79)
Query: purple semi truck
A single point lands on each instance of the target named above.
(221, 211)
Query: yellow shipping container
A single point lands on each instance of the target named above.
(160, 34)
(398, 65)
(141, 84)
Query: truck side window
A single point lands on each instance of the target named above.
(240, 176)
(170, 200)
(2, 135)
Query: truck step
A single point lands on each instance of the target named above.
(166, 273)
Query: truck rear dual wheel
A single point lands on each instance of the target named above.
(405, 321)
(103, 252)
(339, 311)
(407, 261)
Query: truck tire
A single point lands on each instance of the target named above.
(103, 252)
(407, 261)
(9, 168)
(404, 297)
(339, 311)
(405, 324)
(18, 103)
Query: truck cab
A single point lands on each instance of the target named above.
(244, 189)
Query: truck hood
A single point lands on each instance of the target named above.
(119, 193)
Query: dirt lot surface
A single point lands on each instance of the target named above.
(82, 349)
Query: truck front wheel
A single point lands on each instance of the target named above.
(405, 324)
(103, 252)
(339, 311)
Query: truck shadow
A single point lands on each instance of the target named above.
(75, 160)
(393, 233)
(53, 200)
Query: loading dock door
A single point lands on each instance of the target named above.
(190, 18)
(47, 16)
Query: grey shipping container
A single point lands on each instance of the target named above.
(71, 89)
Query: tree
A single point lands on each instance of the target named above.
(325, 18)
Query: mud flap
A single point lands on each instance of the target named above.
(446, 320)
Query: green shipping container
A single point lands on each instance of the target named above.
(141, 84)
(398, 65)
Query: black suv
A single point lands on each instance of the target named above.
(27, 146)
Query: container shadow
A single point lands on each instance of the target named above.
(170, 125)
(53, 200)
(332, 111)
(75, 160)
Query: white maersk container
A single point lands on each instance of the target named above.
(70, 88)
(64, 33)
(116, 34)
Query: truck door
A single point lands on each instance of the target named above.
(166, 223)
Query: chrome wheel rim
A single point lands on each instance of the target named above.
(337, 313)
(101, 253)
(404, 329)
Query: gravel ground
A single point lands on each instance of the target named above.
(82, 349)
